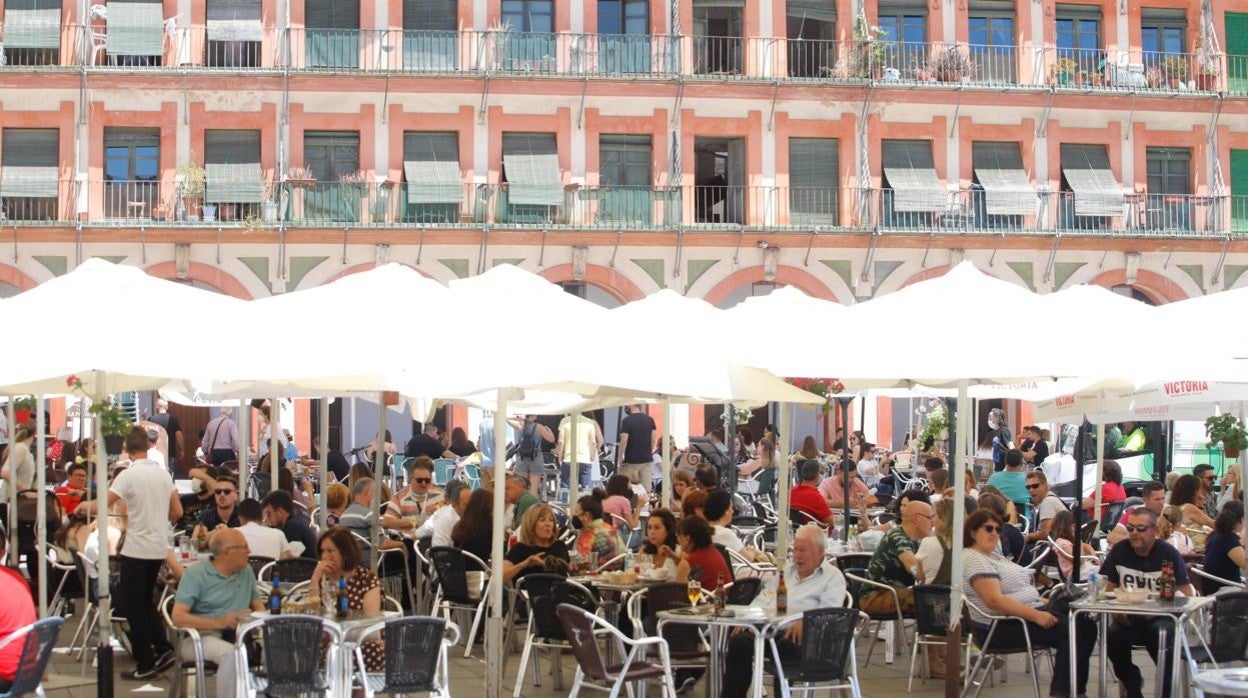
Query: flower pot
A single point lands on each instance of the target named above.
(1064, 78)
(1206, 82)
(268, 211)
(22, 416)
(113, 443)
(1231, 452)
(210, 212)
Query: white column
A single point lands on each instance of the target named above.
(666, 445)
(12, 483)
(104, 596)
(41, 507)
(481, 151)
(768, 181)
(784, 475)
(479, 10)
(576, 17)
(953, 180)
(579, 146)
(949, 21)
(962, 441)
(494, 623)
(379, 465)
(324, 454)
(275, 445)
(1122, 18)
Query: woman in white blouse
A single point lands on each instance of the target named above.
(933, 550)
(1000, 587)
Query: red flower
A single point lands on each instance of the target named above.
(73, 381)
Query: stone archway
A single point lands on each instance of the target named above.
(785, 276)
(609, 280)
(203, 273)
(1156, 287)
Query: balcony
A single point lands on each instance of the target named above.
(970, 211)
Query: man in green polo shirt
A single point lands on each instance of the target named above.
(212, 596)
(518, 495)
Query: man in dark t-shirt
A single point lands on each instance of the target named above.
(637, 447)
(1002, 438)
(425, 444)
(173, 429)
(1136, 563)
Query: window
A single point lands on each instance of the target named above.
(1168, 205)
(811, 28)
(430, 41)
(813, 177)
(1239, 191)
(135, 32)
(531, 44)
(1090, 195)
(623, 36)
(333, 33)
(131, 172)
(32, 32)
(1163, 37)
(331, 155)
(719, 179)
(1237, 53)
(29, 173)
(1079, 37)
(435, 188)
(717, 32)
(913, 191)
(232, 170)
(534, 192)
(991, 40)
(234, 34)
(624, 179)
(905, 31)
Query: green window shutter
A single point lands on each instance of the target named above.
(531, 163)
(818, 10)
(430, 15)
(234, 20)
(332, 14)
(136, 28)
(1239, 191)
(431, 168)
(32, 24)
(232, 166)
(1087, 171)
(813, 180)
(1237, 52)
(999, 168)
(29, 162)
(911, 174)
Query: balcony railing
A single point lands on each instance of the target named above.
(603, 207)
(510, 52)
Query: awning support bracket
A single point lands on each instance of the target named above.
(1217, 269)
(810, 245)
(420, 246)
(541, 252)
(485, 246)
(485, 99)
(674, 118)
(385, 99)
(680, 242)
(1042, 128)
(580, 111)
(736, 253)
(618, 235)
(345, 230)
(873, 240)
(1048, 265)
(957, 109)
(775, 96)
(927, 250)
(1130, 118)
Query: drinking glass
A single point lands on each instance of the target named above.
(593, 563)
(695, 593)
(329, 596)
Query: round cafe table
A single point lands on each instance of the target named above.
(1223, 682)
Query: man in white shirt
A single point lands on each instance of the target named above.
(719, 513)
(263, 541)
(811, 583)
(152, 504)
(439, 525)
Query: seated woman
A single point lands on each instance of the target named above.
(660, 543)
(340, 558)
(763, 463)
(1061, 530)
(933, 552)
(1189, 497)
(682, 482)
(472, 533)
(536, 549)
(619, 502)
(998, 586)
(809, 451)
(1112, 491)
(1011, 540)
(1230, 486)
(1224, 551)
(701, 560)
(595, 536)
(337, 497)
(1170, 530)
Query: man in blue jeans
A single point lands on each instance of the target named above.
(588, 440)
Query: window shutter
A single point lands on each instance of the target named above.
(32, 24)
(30, 164)
(232, 166)
(431, 168)
(1007, 189)
(821, 10)
(430, 15)
(813, 180)
(1087, 171)
(332, 14)
(135, 28)
(234, 20)
(912, 176)
(531, 161)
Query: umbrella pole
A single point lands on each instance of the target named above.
(41, 506)
(1100, 469)
(244, 443)
(104, 651)
(12, 490)
(494, 622)
(961, 437)
(574, 467)
(1079, 441)
(379, 462)
(275, 408)
(666, 445)
(783, 478)
(324, 454)
(849, 455)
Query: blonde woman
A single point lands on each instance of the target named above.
(19, 463)
(536, 544)
(933, 552)
(763, 463)
(1231, 486)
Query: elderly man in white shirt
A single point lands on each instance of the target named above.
(811, 583)
(439, 524)
(263, 541)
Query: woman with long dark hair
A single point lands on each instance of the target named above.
(460, 445)
(1224, 551)
(660, 541)
(473, 531)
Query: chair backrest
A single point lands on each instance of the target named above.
(294, 570)
(853, 586)
(669, 597)
(746, 525)
(545, 593)
(848, 561)
(1228, 639)
(443, 470)
(744, 590)
(1112, 513)
(289, 666)
(413, 651)
(37, 647)
(451, 567)
(578, 627)
(827, 637)
(931, 608)
(258, 563)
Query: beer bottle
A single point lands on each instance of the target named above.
(720, 593)
(782, 597)
(1165, 583)
(343, 604)
(275, 597)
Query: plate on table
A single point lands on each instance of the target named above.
(696, 611)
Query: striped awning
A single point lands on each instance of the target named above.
(1087, 171)
(999, 169)
(532, 165)
(32, 24)
(234, 20)
(233, 184)
(136, 29)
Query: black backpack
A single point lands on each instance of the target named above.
(528, 449)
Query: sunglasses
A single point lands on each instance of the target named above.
(990, 528)
(224, 491)
(1137, 528)
(422, 480)
(1035, 486)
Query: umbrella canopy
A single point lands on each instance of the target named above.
(795, 313)
(115, 307)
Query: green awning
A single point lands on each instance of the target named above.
(32, 24)
(233, 184)
(136, 29)
(234, 20)
(29, 167)
(531, 161)
(433, 182)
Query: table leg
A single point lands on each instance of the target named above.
(714, 670)
(1070, 642)
(759, 648)
(1162, 657)
(1174, 656)
(1103, 629)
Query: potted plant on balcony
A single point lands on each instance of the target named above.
(1153, 77)
(951, 65)
(1210, 65)
(268, 206)
(191, 179)
(1065, 70)
(354, 182)
(300, 177)
(1175, 70)
(22, 408)
(868, 57)
(1228, 430)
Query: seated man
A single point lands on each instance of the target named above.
(1136, 563)
(279, 511)
(811, 583)
(358, 518)
(263, 541)
(1133, 439)
(1154, 496)
(833, 489)
(805, 497)
(17, 610)
(439, 526)
(894, 562)
(1047, 505)
(225, 513)
(412, 505)
(1013, 481)
(212, 596)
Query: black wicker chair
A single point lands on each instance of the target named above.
(827, 657)
(454, 593)
(1228, 634)
(743, 591)
(416, 657)
(290, 667)
(544, 593)
(931, 613)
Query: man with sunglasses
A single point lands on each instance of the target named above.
(1046, 505)
(412, 505)
(894, 561)
(1136, 563)
(1206, 478)
(225, 513)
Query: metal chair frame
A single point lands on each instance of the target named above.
(534, 642)
(478, 610)
(444, 670)
(44, 647)
(985, 653)
(900, 619)
(635, 652)
(252, 686)
(851, 679)
(177, 686)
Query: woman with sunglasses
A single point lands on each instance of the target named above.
(997, 586)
